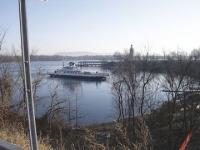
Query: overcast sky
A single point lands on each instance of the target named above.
(104, 26)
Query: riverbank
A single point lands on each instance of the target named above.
(14, 131)
(153, 131)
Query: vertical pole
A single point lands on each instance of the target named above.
(76, 111)
(27, 75)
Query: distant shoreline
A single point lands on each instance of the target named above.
(8, 58)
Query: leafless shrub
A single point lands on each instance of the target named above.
(131, 88)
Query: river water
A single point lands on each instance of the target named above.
(94, 99)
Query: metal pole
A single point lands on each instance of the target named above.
(27, 75)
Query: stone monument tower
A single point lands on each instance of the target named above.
(131, 52)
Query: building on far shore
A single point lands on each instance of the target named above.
(131, 53)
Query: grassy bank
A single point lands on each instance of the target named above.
(12, 130)
(150, 132)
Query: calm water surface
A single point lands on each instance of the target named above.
(94, 99)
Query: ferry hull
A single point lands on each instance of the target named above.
(94, 78)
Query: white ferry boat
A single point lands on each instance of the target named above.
(74, 72)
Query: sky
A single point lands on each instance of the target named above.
(104, 26)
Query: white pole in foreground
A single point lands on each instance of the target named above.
(27, 75)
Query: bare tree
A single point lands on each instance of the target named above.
(131, 88)
(146, 77)
(2, 38)
(176, 79)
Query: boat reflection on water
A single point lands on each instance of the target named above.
(87, 95)
(74, 85)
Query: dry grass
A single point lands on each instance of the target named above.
(20, 139)
(15, 134)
